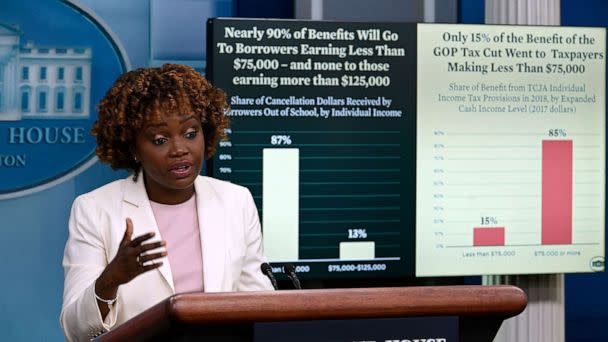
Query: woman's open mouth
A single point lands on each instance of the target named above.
(181, 170)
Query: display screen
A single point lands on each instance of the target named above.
(323, 134)
(393, 150)
(511, 149)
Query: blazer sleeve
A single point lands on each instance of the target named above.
(252, 278)
(84, 259)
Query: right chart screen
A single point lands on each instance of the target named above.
(510, 149)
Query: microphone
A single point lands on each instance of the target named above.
(290, 271)
(267, 270)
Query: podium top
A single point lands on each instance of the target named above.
(206, 309)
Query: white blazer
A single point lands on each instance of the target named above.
(230, 238)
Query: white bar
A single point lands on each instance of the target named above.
(280, 203)
(357, 250)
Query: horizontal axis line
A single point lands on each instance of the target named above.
(321, 145)
(313, 132)
(350, 195)
(350, 221)
(336, 260)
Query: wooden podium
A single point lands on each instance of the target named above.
(231, 316)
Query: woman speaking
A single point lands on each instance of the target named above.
(165, 229)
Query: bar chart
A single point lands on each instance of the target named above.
(329, 200)
(556, 200)
(512, 201)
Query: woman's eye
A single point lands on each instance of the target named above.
(159, 141)
(191, 134)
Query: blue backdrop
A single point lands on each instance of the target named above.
(120, 35)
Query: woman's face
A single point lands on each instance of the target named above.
(171, 153)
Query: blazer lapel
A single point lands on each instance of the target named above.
(137, 207)
(211, 225)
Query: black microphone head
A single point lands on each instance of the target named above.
(267, 270)
(265, 267)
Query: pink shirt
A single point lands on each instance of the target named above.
(178, 225)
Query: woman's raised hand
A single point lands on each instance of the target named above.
(130, 261)
(131, 258)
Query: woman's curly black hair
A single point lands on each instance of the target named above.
(140, 95)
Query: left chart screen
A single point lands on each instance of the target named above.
(323, 136)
